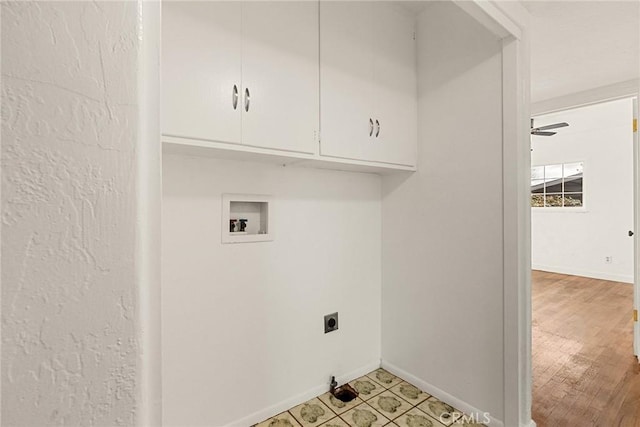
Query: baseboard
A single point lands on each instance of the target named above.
(624, 278)
(282, 406)
(440, 394)
(530, 424)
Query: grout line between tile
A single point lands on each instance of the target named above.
(385, 388)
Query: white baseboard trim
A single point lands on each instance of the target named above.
(530, 424)
(579, 272)
(289, 403)
(440, 394)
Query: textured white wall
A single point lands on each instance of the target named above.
(442, 281)
(243, 334)
(577, 242)
(70, 119)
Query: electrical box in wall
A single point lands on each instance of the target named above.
(246, 218)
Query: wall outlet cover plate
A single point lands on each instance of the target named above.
(331, 322)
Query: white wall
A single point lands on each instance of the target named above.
(71, 116)
(578, 242)
(242, 323)
(442, 319)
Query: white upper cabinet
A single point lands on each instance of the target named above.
(242, 72)
(201, 65)
(281, 74)
(346, 76)
(395, 77)
(368, 82)
(331, 82)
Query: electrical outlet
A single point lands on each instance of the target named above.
(331, 322)
(608, 259)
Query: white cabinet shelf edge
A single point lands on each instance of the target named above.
(218, 150)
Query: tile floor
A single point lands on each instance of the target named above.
(384, 400)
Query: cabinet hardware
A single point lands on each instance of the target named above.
(234, 98)
(370, 127)
(247, 99)
(377, 128)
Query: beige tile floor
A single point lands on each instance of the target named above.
(384, 400)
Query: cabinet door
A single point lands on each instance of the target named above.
(346, 78)
(201, 63)
(396, 99)
(280, 71)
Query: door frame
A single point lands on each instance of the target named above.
(636, 227)
(510, 21)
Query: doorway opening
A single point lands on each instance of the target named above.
(584, 283)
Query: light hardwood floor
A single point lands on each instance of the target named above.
(584, 371)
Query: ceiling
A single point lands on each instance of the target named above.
(582, 45)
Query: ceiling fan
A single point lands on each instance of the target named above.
(543, 130)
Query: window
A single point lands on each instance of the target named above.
(557, 186)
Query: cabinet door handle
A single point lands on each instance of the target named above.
(247, 99)
(377, 128)
(370, 127)
(234, 97)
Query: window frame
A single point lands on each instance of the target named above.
(565, 209)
